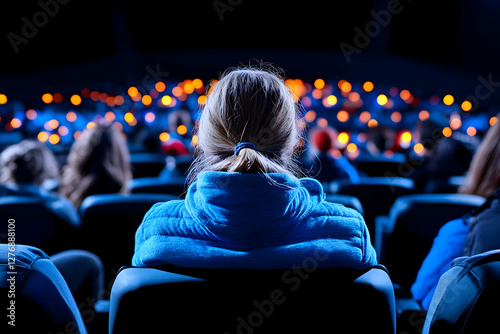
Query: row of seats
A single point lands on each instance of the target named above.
(300, 300)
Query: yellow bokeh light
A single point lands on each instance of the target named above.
(372, 123)
(52, 124)
(332, 100)
(419, 149)
(166, 100)
(343, 138)
(43, 136)
(382, 99)
(47, 98)
(448, 99)
(466, 106)
(75, 99)
(202, 99)
(182, 129)
(90, 125)
(405, 94)
(319, 83)
(132, 91)
(129, 117)
(343, 116)
(147, 100)
(493, 120)
(396, 117)
(54, 139)
(3, 99)
(16, 123)
(160, 86)
(197, 83)
(447, 132)
(194, 140)
(345, 87)
(406, 137)
(352, 147)
(188, 88)
(471, 131)
(368, 86)
(164, 136)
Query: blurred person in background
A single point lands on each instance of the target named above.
(98, 163)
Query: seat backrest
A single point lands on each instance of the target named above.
(299, 300)
(159, 185)
(346, 200)
(376, 194)
(467, 295)
(38, 298)
(416, 220)
(380, 165)
(109, 223)
(146, 164)
(36, 224)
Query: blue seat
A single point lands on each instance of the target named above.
(43, 302)
(145, 164)
(380, 165)
(159, 185)
(403, 239)
(376, 194)
(467, 295)
(348, 201)
(109, 223)
(37, 226)
(300, 300)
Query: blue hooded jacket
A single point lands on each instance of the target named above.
(235, 220)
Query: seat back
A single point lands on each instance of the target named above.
(37, 298)
(159, 185)
(146, 164)
(380, 165)
(467, 295)
(376, 194)
(416, 220)
(36, 224)
(109, 223)
(299, 300)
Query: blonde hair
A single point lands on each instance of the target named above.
(98, 163)
(483, 176)
(248, 105)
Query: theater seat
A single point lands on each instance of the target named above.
(42, 300)
(37, 225)
(380, 165)
(403, 239)
(467, 297)
(146, 164)
(300, 300)
(348, 201)
(159, 185)
(109, 223)
(376, 194)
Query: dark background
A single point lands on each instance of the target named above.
(440, 46)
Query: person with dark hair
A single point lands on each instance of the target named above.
(327, 168)
(245, 206)
(98, 163)
(443, 156)
(472, 234)
(24, 170)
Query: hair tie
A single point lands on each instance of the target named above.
(242, 145)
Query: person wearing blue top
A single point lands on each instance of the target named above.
(245, 206)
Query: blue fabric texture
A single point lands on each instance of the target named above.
(448, 245)
(235, 220)
(22, 259)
